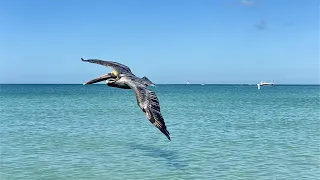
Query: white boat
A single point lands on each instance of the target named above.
(263, 83)
(188, 82)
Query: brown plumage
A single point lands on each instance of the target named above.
(147, 100)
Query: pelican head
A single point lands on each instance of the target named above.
(112, 78)
(115, 73)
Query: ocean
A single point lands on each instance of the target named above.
(96, 132)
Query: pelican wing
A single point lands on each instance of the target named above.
(149, 104)
(120, 68)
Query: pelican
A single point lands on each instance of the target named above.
(122, 77)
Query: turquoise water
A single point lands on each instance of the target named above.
(218, 132)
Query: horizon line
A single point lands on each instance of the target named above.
(159, 84)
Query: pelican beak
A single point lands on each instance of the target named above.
(99, 79)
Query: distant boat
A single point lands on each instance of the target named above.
(202, 84)
(188, 82)
(263, 83)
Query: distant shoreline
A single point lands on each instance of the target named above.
(165, 84)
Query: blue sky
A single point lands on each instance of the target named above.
(203, 41)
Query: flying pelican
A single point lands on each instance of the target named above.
(122, 77)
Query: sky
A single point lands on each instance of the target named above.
(168, 41)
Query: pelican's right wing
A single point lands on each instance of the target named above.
(120, 68)
(149, 104)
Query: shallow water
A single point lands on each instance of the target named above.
(218, 132)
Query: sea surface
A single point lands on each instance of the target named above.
(96, 132)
